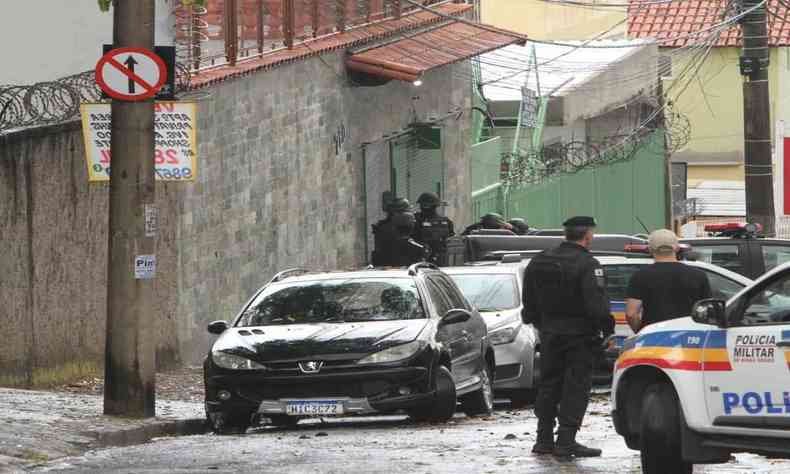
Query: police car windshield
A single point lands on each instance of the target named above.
(488, 291)
(335, 301)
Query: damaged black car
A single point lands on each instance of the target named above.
(339, 344)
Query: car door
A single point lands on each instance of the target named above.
(617, 279)
(450, 335)
(471, 331)
(747, 365)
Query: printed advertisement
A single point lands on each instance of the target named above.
(175, 129)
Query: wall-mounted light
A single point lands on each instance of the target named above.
(417, 83)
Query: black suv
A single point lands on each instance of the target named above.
(349, 343)
(739, 248)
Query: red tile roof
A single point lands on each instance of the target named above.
(407, 59)
(671, 23)
(336, 41)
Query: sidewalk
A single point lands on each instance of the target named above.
(39, 426)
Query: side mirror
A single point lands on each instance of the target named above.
(455, 316)
(710, 311)
(217, 327)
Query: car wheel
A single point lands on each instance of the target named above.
(480, 402)
(660, 432)
(443, 406)
(229, 423)
(283, 421)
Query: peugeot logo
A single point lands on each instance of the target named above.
(311, 367)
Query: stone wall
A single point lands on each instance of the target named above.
(279, 184)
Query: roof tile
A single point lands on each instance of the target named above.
(673, 21)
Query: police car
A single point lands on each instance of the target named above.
(696, 389)
(618, 271)
(740, 248)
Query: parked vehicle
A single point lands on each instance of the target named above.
(495, 291)
(694, 390)
(373, 341)
(740, 248)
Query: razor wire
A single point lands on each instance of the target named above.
(50, 102)
(549, 161)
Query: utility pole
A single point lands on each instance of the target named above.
(758, 166)
(129, 367)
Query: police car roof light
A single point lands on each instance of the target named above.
(734, 226)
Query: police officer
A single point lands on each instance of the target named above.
(520, 226)
(431, 229)
(406, 250)
(565, 298)
(385, 234)
(492, 220)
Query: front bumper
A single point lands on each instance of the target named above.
(360, 391)
(515, 363)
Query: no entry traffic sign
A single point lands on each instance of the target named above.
(130, 73)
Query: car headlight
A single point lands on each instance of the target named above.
(505, 335)
(393, 354)
(233, 361)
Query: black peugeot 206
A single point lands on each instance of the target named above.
(329, 344)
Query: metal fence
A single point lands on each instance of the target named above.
(227, 31)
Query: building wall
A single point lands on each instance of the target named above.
(43, 40)
(278, 185)
(714, 107)
(543, 20)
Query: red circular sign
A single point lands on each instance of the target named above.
(140, 84)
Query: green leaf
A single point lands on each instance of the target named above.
(104, 5)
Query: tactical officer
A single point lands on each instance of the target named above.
(406, 250)
(385, 234)
(520, 226)
(431, 229)
(565, 298)
(492, 220)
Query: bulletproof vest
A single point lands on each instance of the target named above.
(557, 284)
(434, 229)
(408, 251)
(384, 236)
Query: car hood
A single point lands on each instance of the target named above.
(324, 340)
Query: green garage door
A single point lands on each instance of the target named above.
(417, 163)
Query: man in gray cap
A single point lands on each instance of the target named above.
(565, 299)
(666, 289)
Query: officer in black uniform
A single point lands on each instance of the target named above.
(520, 226)
(431, 229)
(406, 250)
(492, 220)
(565, 298)
(385, 234)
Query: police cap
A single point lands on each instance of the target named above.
(580, 221)
(428, 199)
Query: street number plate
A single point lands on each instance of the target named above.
(313, 407)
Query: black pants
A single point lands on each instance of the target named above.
(566, 364)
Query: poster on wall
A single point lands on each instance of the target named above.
(175, 132)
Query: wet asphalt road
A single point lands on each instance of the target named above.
(392, 444)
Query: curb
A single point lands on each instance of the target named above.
(147, 432)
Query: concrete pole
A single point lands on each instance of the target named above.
(129, 372)
(757, 119)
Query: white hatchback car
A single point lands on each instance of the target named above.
(495, 290)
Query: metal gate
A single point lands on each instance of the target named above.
(417, 163)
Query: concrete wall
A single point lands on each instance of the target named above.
(43, 40)
(273, 191)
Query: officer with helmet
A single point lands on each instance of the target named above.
(565, 299)
(406, 251)
(492, 220)
(431, 229)
(520, 226)
(385, 233)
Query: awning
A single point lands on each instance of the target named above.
(409, 58)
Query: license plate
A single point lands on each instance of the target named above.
(313, 407)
